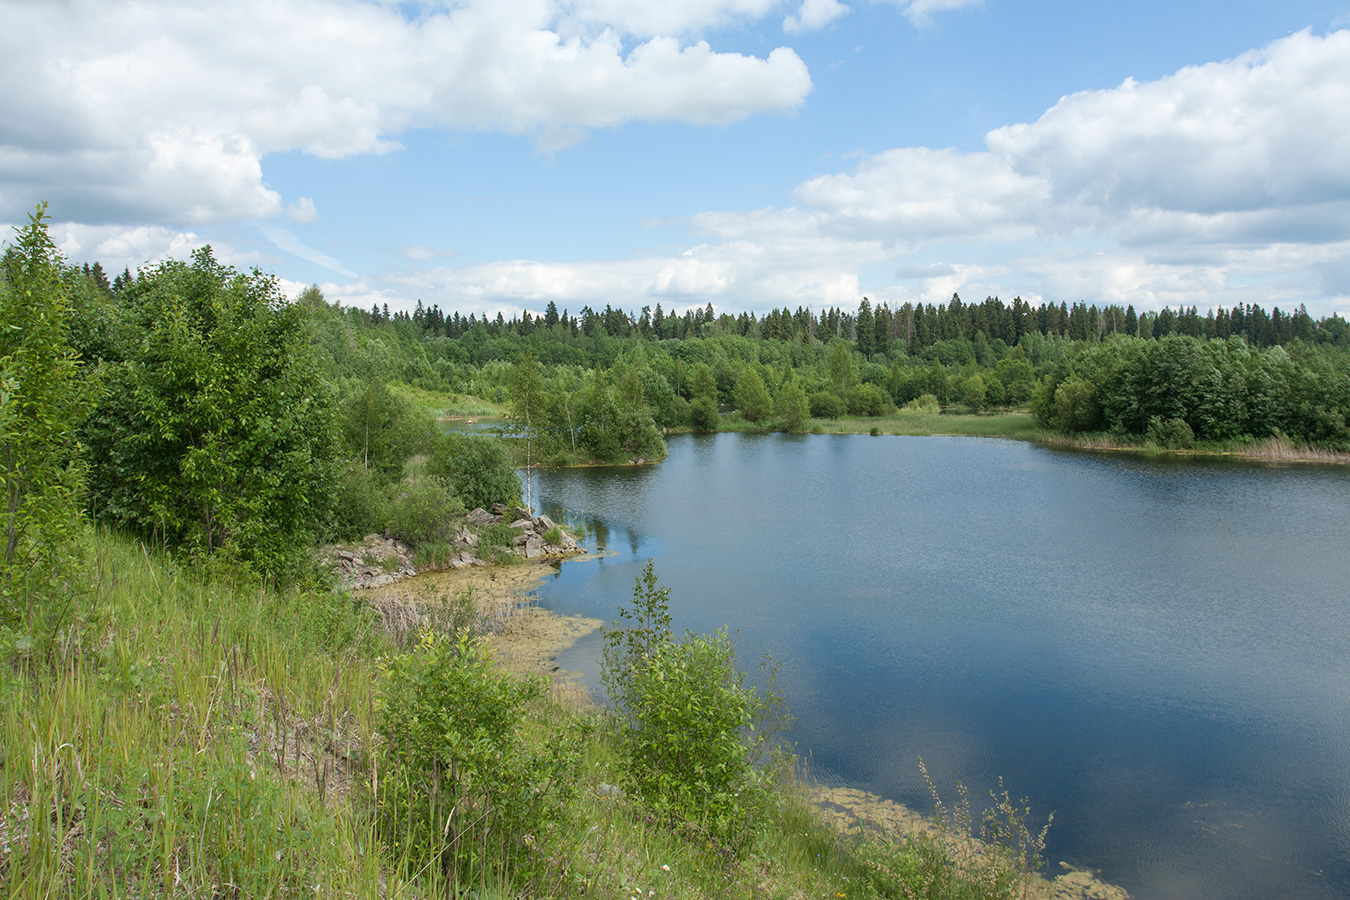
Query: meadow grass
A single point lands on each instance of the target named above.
(189, 735)
(1015, 424)
(1018, 425)
(449, 405)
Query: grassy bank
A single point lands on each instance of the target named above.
(1273, 450)
(185, 736)
(449, 405)
(1016, 424)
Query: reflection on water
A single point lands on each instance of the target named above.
(1159, 650)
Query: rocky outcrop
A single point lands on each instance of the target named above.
(537, 536)
(377, 560)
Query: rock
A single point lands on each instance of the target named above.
(543, 523)
(523, 513)
(348, 556)
(523, 524)
(534, 547)
(480, 517)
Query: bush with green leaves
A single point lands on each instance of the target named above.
(422, 511)
(692, 732)
(218, 433)
(477, 468)
(703, 415)
(382, 429)
(827, 405)
(924, 403)
(791, 408)
(361, 505)
(1170, 434)
(459, 787)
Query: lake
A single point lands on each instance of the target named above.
(1156, 649)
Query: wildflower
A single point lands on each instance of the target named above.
(665, 868)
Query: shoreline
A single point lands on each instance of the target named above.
(526, 640)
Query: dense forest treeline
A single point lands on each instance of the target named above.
(915, 327)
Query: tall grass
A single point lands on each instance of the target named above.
(195, 741)
(202, 737)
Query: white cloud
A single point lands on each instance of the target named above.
(650, 18)
(1270, 129)
(287, 241)
(117, 247)
(812, 15)
(163, 110)
(917, 194)
(920, 12)
(1222, 183)
(302, 210)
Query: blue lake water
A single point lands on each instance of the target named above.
(1157, 650)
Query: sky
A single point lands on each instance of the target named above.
(492, 155)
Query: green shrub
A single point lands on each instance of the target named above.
(869, 400)
(1170, 434)
(703, 416)
(460, 788)
(691, 731)
(422, 511)
(924, 403)
(827, 405)
(362, 502)
(553, 536)
(791, 407)
(478, 469)
(496, 543)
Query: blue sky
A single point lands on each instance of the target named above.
(492, 156)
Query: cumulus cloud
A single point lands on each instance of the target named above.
(1186, 189)
(163, 110)
(1219, 184)
(1267, 130)
(117, 247)
(813, 14)
(732, 275)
